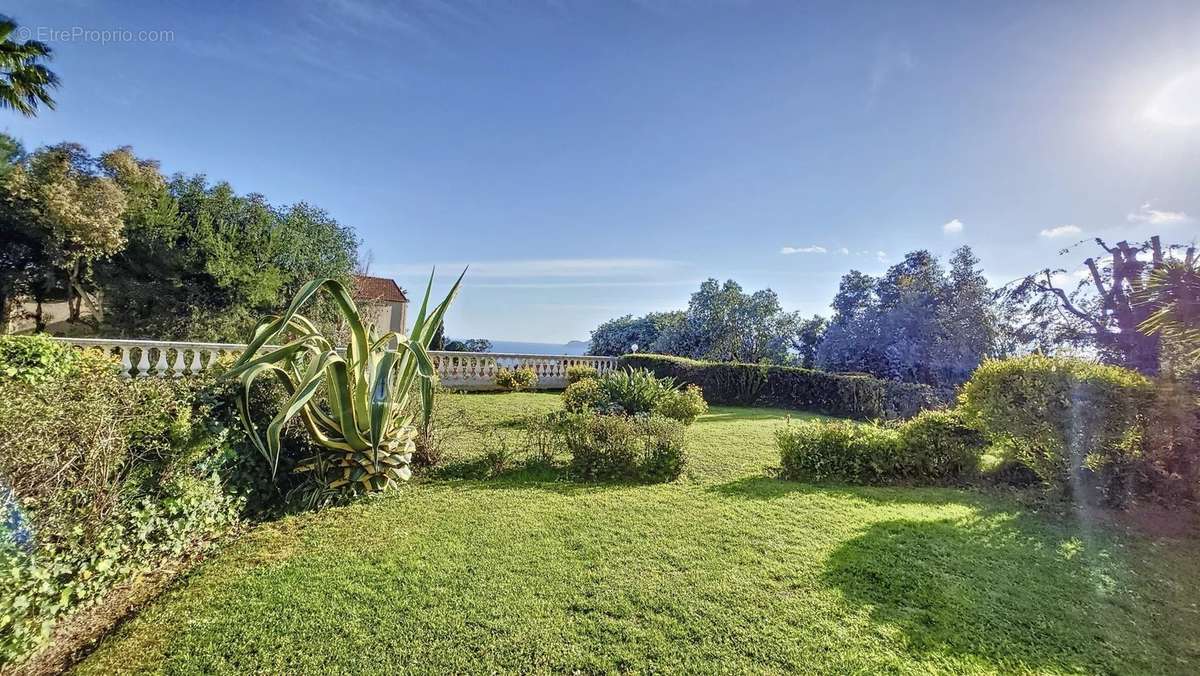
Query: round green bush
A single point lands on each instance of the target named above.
(624, 448)
(581, 372)
(683, 405)
(515, 380)
(582, 396)
(35, 359)
(939, 446)
(1074, 423)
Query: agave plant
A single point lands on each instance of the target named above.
(363, 428)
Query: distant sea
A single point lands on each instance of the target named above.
(514, 346)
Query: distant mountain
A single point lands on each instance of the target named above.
(574, 347)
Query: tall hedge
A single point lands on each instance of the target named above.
(854, 396)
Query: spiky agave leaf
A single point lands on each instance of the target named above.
(365, 432)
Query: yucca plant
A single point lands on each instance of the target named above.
(363, 428)
(635, 390)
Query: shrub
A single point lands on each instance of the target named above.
(35, 359)
(583, 395)
(1168, 471)
(837, 450)
(581, 372)
(1074, 423)
(635, 391)
(854, 396)
(515, 380)
(939, 446)
(684, 405)
(625, 448)
(935, 447)
(104, 478)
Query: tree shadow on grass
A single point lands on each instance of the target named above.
(995, 587)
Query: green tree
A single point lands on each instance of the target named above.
(25, 83)
(915, 323)
(203, 262)
(616, 337)
(724, 323)
(75, 211)
(807, 338)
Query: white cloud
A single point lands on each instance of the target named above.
(548, 267)
(844, 251)
(881, 256)
(953, 227)
(789, 250)
(1061, 231)
(1147, 214)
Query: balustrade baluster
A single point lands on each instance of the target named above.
(161, 365)
(143, 362)
(126, 365)
(196, 367)
(177, 369)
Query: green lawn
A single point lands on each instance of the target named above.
(724, 570)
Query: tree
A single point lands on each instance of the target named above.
(202, 262)
(1101, 313)
(968, 319)
(807, 338)
(469, 345)
(77, 213)
(25, 83)
(616, 337)
(915, 323)
(723, 323)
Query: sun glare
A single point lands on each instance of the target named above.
(1178, 102)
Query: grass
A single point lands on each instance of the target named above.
(724, 570)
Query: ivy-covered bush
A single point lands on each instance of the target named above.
(34, 359)
(103, 479)
(1074, 423)
(643, 448)
(936, 447)
(516, 380)
(580, 372)
(854, 396)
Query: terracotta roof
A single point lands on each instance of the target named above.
(378, 288)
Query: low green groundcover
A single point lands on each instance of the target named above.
(723, 569)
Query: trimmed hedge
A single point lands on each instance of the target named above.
(935, 447)
(854, 396)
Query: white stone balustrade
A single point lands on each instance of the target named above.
(456, 370)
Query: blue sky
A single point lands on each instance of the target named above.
(591, 159)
